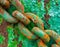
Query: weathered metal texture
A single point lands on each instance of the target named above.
(53, 7)
(41, 34)
(5, 15)
(5, 3)
(34, 6)
(55, 45)
(54, 35)
(21, 17)
(4, 33)
(38, 31)
(41, 43)
(35, 19)
(18, 5)
(26, 32)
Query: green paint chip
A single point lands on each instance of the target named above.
(2, 38)
(12, 44)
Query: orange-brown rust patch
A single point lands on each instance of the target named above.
(7, 4)
(14, 13)
(27, 21)
(46, 37)
(29, 37)
(19, 4)
(39, 0)
(35, 21)
(55, 45)
(42, 26)
(36, 17)
(58, 41)
(41, 43)
(27, 15)
(51, 33)
(1, 11)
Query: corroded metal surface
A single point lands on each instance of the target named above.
(18, 32)
(4, 33)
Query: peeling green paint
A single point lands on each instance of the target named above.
(2, 38)
(11, 37)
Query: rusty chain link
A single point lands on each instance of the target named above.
(19, 16)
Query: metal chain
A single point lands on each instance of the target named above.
(19, 16)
